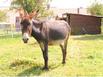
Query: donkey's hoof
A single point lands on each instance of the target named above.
(45, 68)
(63, 62)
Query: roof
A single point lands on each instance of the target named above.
(82, 15)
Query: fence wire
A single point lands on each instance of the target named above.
(9, 30)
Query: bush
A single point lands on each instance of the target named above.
(96, 9)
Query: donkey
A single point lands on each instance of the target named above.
(46, 33)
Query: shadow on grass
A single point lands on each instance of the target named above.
(35, 71)
(89, 37)
(29, 67)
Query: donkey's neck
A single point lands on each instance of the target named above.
(35, 29)
(36, 33)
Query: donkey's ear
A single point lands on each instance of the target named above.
(33, 14)
(21, 13)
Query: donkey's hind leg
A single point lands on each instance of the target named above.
(64, 50)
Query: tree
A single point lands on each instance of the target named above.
(96, 8)
(30, 5)
(2, 16)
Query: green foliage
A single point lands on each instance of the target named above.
(96, 9)
(29, 5)
(2, 16)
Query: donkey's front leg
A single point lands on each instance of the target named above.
(44, 49)
(45, 55)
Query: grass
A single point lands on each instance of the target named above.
(84, 58)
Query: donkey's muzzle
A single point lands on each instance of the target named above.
(25, 37)
(25, 40)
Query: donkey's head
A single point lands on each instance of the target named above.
(26, 25)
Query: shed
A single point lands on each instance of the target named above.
(83, 24)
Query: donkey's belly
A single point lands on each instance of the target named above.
(56, 42)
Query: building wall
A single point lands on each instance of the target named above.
(84, 24)
(12, 14)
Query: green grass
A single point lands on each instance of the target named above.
(84, 58)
